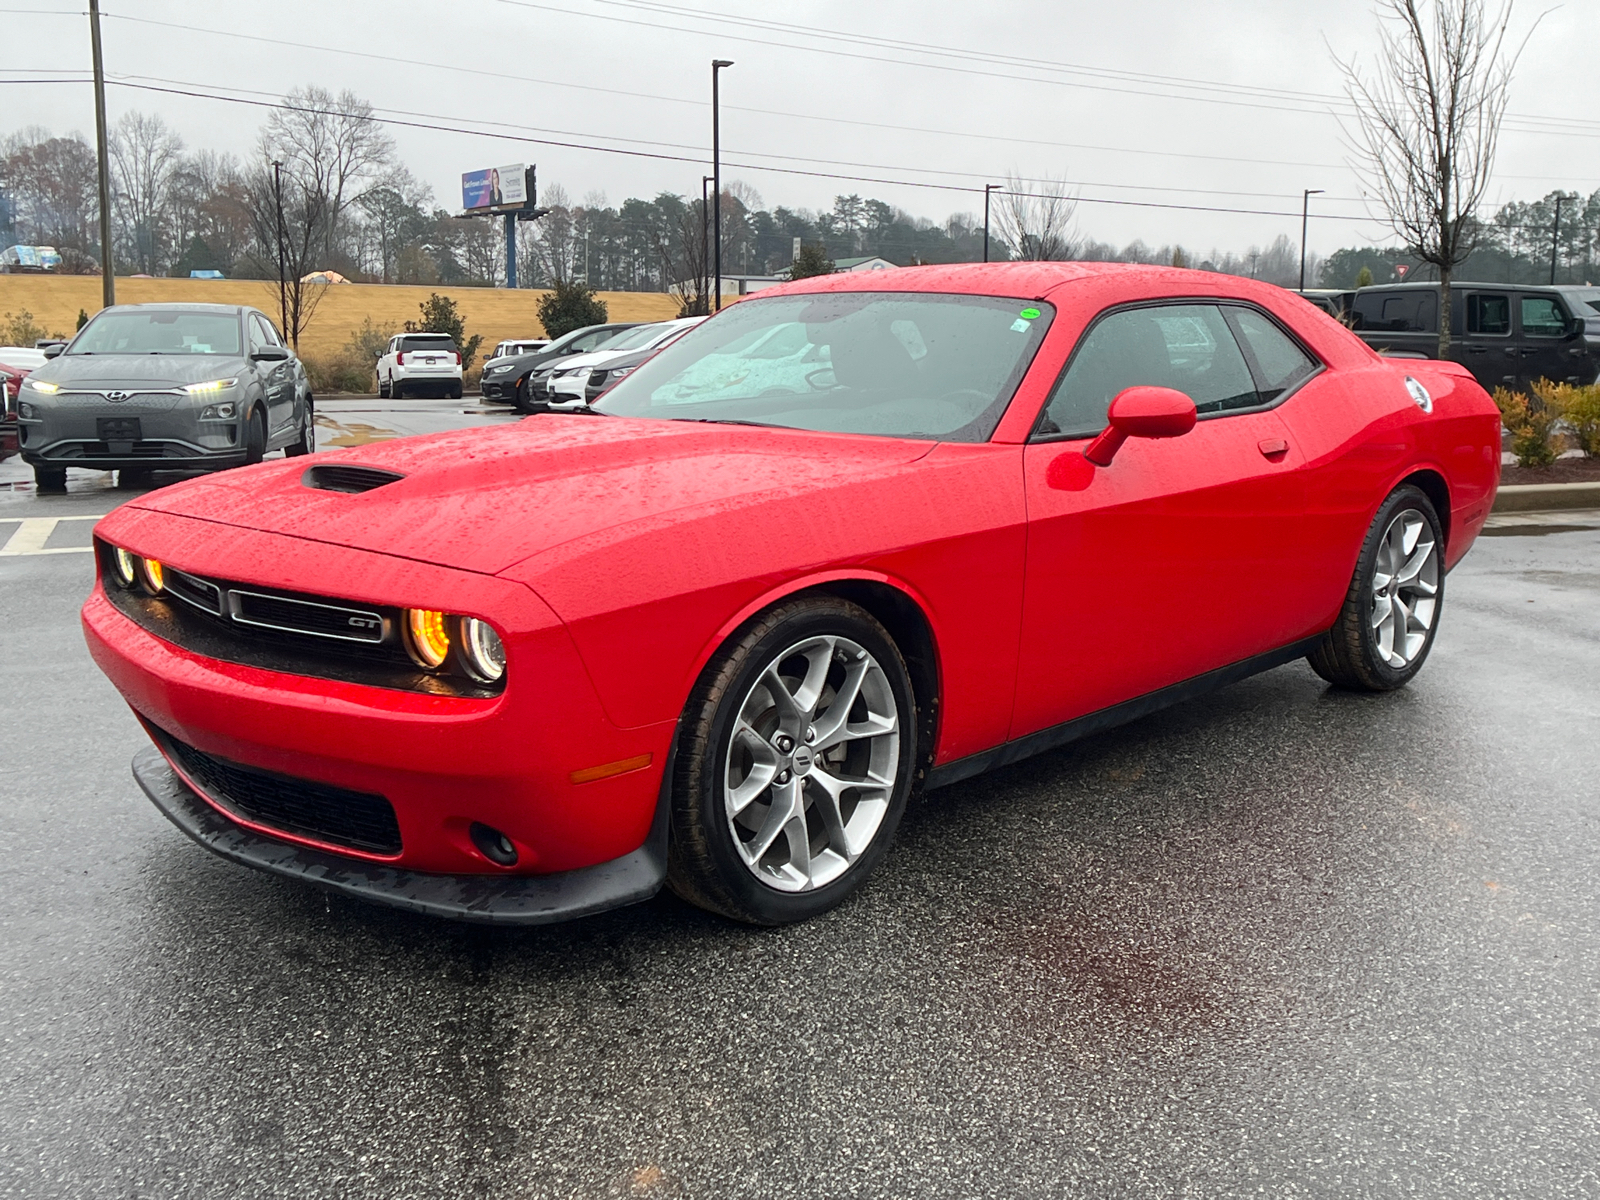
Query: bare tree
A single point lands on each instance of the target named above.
(334, 148)
(145, 156)
(289, 219)
(1427, 123)
(1036, 218)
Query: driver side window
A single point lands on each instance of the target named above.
(1184, 346)
(258, 333)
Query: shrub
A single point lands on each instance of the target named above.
(1582, 413)
(440, 315)
(342, 371)
(22, 330)
(811, 261)
(1532, 425)
(570, 306)
(370, 342)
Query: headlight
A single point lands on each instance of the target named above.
(482, 650)
(621, 371)
(500, 370)
(210, 386)
(427, 637)
(43, 387)
(225, 411)
(125, 566)
(153, 575)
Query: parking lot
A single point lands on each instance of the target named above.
(1282, 940)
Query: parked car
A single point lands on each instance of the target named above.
(415, 363)
(510, 349)
(1507, 335)
(507, 382)
(10, 385)
(28, 357)
(1333, 301)
(717, 639)
(173, 386)
(568, 386)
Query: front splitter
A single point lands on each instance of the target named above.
(485, 899)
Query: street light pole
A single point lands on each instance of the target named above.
(1555, 239)
(108, 271)
(705, 232)
(987, 188)
(716, 172)
(1305, 221)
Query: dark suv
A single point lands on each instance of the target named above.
(1507, 335)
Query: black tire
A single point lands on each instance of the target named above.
(704, 866)
(307, 441)
(135, 478)
(397, 390)
(455, 391)
(383, 389)
(519, 396)
(1348, 655)
(50, 479)
(255, 437)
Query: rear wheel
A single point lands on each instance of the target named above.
(795, 764)
(50, 479)
(455, 391)
(255, 437)
(397, 390)
(135, 478)
(307, 441)
(1391, 612)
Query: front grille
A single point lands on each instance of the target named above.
(359, 820)
(343, 477)
(144, 449)
(306, 617)
(203, 595)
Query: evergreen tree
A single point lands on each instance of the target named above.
(812, 260)
(570, 306)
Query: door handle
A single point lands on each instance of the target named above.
(1511, 351)
(1273, 449)
(1476, 349)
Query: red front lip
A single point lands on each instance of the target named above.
(442, 762)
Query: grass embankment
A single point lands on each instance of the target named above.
(496, 313)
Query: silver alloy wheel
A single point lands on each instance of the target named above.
(1405, 589)
(812, 763)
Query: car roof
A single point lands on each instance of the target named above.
(1476, 285)
(165, 307)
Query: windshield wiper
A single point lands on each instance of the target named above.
(728, 421)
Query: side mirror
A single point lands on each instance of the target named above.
(1575, 329)
(1148, 412)
(269, 354)
(53, 351)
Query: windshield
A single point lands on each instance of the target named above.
(895, 364)
(159, 331)
(632, 339)
(1586, 298)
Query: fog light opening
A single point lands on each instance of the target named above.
(492, 844)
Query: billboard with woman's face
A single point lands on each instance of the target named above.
(495, 187)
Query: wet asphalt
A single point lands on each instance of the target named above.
(1280, 941)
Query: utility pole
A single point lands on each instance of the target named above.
(705, 233)
(1305, 220)
(283, 286)
(1555, 239)
(716, 171)
(987, 188)
(108, 270)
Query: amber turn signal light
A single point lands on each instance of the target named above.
(427, 637)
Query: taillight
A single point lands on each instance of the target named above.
(458, 358)
(400, 359)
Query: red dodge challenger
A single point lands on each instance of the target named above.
(849, 539)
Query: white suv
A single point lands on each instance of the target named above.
(420, 361)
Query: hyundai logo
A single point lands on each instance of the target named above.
(117, 397)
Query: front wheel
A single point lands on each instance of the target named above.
(794, 766)
(50, 479)
(255, 437)
(1391, 612)
(397, 390)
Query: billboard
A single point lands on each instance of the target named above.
(495, 187)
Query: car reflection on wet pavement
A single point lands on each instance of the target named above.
(1281, 940)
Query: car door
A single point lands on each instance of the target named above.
(1181, 556)
(1546, 349)
(277, 376)
(1489, 351)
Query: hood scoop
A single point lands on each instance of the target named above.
(347, 478)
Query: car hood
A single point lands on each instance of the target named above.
(484, 500)
(138, 370)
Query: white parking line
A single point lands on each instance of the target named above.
(31, 534)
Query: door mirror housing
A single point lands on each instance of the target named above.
(269, 354)
(54, 350)
(1147, 412)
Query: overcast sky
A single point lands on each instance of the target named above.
(1221, 104)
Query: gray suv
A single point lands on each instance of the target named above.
(164, 386)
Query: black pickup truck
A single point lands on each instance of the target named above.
(1507, 335)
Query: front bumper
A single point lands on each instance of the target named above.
(486, 899)
(502, 388)
(147, 430)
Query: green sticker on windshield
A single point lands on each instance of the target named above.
(1028, 314)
